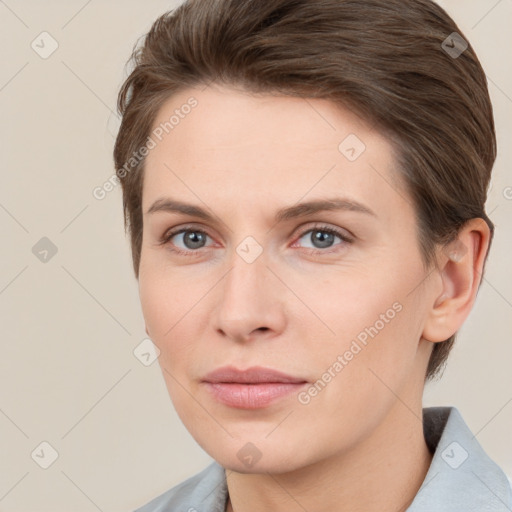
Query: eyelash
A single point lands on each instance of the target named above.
(167, 236)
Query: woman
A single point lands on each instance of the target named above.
(304, 184)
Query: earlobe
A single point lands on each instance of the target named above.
(460, 266)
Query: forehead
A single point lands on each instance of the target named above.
(232, 145)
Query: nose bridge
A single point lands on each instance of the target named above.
(243, 283)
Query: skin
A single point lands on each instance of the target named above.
(358, 444)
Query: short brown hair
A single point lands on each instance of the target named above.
(389, 61)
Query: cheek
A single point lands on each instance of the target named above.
(354, 307)
(375, 324)
(171, 312)
(164, 304)
(368, 363)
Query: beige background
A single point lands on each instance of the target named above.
(69, 326)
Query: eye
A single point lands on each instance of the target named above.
(323, 237)
(190, 239)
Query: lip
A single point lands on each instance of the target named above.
(253, 388)
(252, 375)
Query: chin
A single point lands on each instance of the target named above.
(256, 457)
(261, 467)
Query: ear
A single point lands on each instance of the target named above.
(460, 266)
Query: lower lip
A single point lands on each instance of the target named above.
(251, 396)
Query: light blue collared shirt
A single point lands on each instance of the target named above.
(461, 477)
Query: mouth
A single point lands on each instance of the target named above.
(253, 388)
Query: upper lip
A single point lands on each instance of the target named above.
(253, 375)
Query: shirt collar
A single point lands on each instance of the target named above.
(461, 475)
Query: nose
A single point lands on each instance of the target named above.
(250, 301)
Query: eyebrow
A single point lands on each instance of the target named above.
(287, 213)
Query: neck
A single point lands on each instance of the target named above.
(384, 472)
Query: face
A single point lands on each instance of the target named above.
(243, 266)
